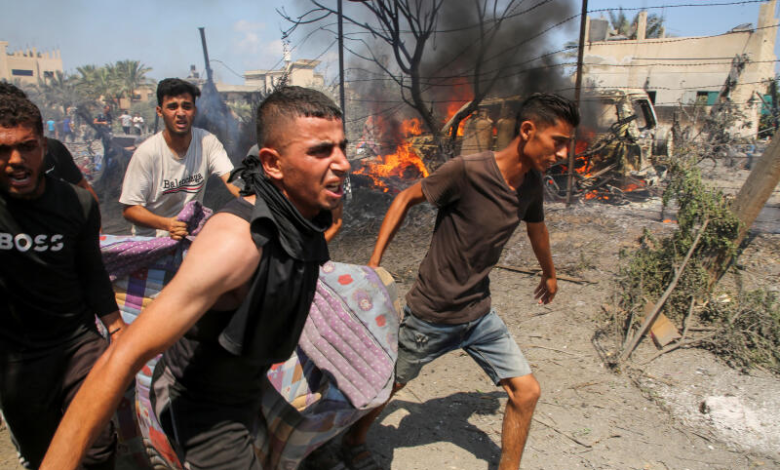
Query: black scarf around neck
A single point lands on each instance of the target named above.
(270, 319)
(273, 212)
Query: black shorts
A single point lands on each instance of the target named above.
(205, 434)
(35, 391)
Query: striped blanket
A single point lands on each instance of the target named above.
(342, 368)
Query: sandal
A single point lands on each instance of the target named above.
(359, 458)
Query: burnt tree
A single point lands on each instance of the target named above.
(409, 29)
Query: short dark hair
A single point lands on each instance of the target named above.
(545, 108)
(288, 103)
(9, 89)
(16, 111)
(175, 87)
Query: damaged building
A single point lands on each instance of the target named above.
(675, 71)
(28, 66)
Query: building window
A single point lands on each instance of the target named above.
(22, 73)
(707, 98)
(48, 74)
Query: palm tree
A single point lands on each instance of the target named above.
(623, 27)
(130, 75)
(655, 26)
(93, 81)
(620, 23)
(58, 92)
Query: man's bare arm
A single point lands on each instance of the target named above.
(338, 221)
(139, 215)
(540, 242)
(230, 186)
(394, 217)
(222, 258)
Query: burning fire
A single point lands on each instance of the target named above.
(460, 95)
(404, 163)
(411, 126)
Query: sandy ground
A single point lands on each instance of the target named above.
(685, 410)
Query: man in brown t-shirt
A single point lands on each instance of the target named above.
(481, 200)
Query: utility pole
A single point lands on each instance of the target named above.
(341, 68)
(752, 197)
(577, 92)
(209, 74)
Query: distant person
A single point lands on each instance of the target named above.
(67, 129)
(52, 284)
(103, 123)
(481, 199)
(127, 122)
(170, 169)
(58, 162)
(138, 124)
(51, 129)
(238, 302)
(104, 119)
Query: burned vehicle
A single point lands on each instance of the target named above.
(617, 149)
(614, 154)
(617, 143)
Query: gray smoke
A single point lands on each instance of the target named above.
(517, 62)
(516, 57)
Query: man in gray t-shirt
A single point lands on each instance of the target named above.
(171, 168)
(481, 200)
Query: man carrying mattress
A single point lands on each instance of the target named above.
(238, 302)
(52, 284)
(481, 200)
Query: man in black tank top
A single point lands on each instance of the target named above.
(238, 301)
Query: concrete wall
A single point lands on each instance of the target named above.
(676, 69)
(300, 73)
(35, 64)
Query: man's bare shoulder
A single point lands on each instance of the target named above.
(223, 255)
(225, 231)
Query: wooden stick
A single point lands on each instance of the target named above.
(678, 345)
(659, 305)
(551, 349)
(572, 438)
(534, 271)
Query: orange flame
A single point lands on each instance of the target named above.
(460, 94)
(411, 126)
(396, 164)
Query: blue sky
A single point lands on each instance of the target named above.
(242, 34)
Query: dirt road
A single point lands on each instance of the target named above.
(649, 417)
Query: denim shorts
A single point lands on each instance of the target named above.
(486, 339)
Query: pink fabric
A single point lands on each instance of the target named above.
(135, 253)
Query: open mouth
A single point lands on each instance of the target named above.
(337, 189)
(20, 178)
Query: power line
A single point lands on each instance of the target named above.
(598, 10)
(431, 81)
(688, 38)
(240, 75)
(681, 5)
